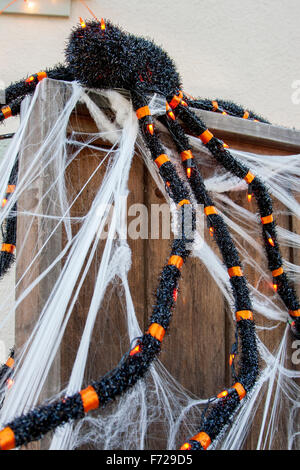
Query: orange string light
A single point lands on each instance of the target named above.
(186, 446)
(222, 394)
(231, 359)
(215, 105)
(150, 129)
(271, 241)
(31, 78)
(170, 112)
(9, 383)
(135, 350)
(83, 25)
(102, 25)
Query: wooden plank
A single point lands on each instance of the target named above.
(255, 133)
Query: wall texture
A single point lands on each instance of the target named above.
(247, 51)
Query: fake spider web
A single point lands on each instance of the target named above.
(51, 274)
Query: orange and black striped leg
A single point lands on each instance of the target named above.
(264, 202)
(136, 363)
(226, 108)
(11, 109)
(134, 366)
(7, 369)
(15, 93)
(9, 228)
(216, 225)
(176, 188)
(221, 412)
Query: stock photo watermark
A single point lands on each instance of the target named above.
(295, 97)
(155, 222)
(2, 92)
(296, 353)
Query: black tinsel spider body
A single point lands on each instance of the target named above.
(103, 56)
(119, 60)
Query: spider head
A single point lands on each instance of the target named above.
(95, 54)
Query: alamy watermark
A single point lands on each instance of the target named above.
(2, 92)
(295, 97)
(296, 353)
(138, 221)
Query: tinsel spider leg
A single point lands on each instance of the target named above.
(6, 371)
(228, 400)
(136, 362)
(15, 93)
(225, 107)
(9, 227)
(255, 186)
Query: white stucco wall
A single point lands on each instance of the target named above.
(247, 51)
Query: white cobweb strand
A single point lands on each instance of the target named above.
(48, 331)
(158, 398)
(116, 257)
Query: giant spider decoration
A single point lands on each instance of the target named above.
(100, 55)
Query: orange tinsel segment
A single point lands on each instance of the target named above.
(267, 219)
(203, 438)
(209, 210)
(157, 331)
(142, 112)
(277, 272)
(8, 248)
(7, 439)
(10, 362)
(240, 390)
(90, 400)
(235, 271)
(6, 111)
(249, 177)
(176, 260)
(161, 159)
(243, 315)
(206, 136)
